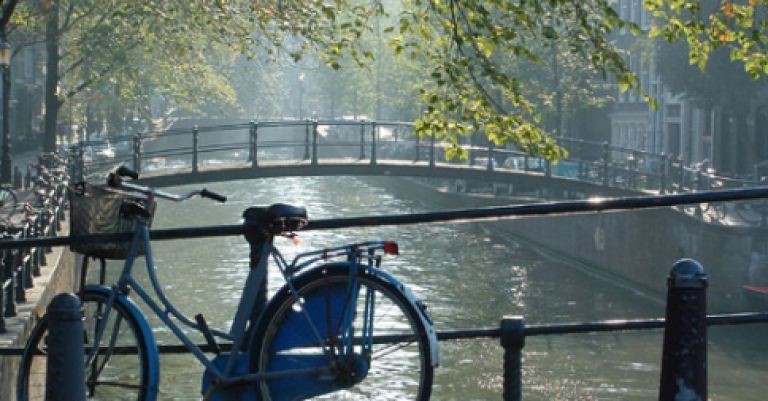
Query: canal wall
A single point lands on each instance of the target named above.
(59, 274)
(634, 249)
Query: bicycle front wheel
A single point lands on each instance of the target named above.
(120, 370)
(298, 331)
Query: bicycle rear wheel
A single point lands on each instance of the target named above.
(121, 369)
(398, 368)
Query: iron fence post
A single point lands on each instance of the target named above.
(250, 141)
(633, 170)
(374, 132)
(699, 179)
(417, 149)
(65, 378)
(3, 296)
(9, 259)
(756, 181)
(195, 133)
(432, 149)
(698, 184)
(663, 167)
(489, 165)
(18, 272)
(606, 162)
(362, 140)
(582, 167)
(137, 153)
(684, 355)
(255, 144)
(306, 139)
(314, 143)
(39, 228)
(513, 341)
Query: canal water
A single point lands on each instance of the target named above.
(469, 277)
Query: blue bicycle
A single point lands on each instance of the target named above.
(340, 328)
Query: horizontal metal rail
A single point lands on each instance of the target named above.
(464, 215)
(532, 330)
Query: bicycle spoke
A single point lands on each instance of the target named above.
(115, 384)
(388, 350)
(112, 343)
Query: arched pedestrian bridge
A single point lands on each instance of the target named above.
(189, 153)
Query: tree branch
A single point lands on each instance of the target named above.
(456, 38)
(8, 9)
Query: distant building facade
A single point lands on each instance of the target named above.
(677, 127)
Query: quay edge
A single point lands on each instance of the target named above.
(635, 249)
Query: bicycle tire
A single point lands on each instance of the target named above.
(393, 375)
(8, 200)
(125, 373)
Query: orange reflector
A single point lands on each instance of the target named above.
(391, 248)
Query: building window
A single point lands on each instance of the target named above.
(625, 136)
(673, 136)
(637, 11)
(673, 111)
(624, 9)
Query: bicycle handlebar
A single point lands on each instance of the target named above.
(212, 195)
(114, 179)
(123, 171)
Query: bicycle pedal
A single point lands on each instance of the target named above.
(207, 334)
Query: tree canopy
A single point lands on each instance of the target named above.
(508, 69)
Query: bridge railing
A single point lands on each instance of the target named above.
(359, 141)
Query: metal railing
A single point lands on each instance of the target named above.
(684, 349)
(313, 142)
(41, 218)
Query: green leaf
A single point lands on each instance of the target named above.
(624, 86)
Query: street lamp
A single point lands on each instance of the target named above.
(5, 63)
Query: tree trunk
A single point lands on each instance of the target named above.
(52, 102)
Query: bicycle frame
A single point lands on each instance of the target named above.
(229, 374)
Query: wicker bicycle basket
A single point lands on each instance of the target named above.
(97, 210)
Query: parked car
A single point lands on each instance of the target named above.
(97, 152)
(519, 163)
(483, 162)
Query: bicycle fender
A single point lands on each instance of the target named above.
(153, 356)
(411, 297)
(434, 350)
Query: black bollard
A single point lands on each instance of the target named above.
(513, 340)
(684, 357)
(65, 376)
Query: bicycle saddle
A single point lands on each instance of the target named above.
(276, 218)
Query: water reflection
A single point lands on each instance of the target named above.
(469, 278)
